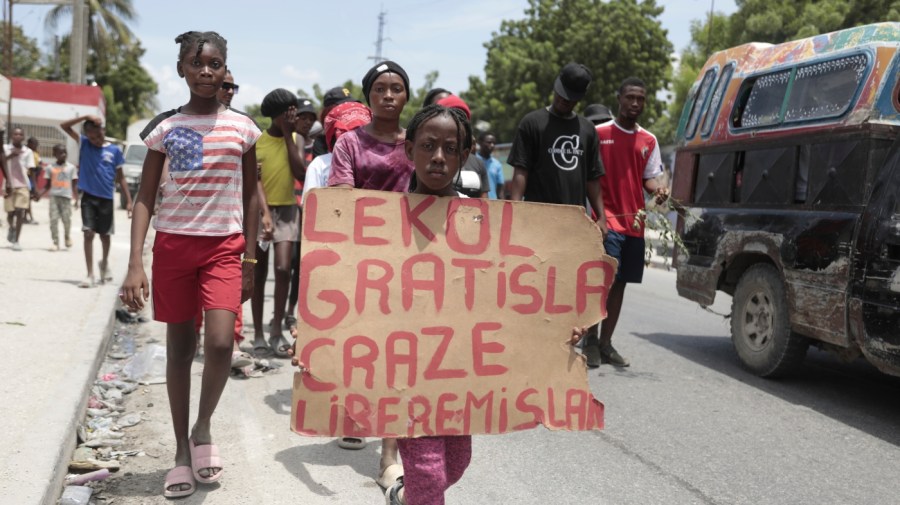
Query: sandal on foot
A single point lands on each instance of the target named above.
(392, 494)
(262, 350)
(351, 443)
(240, 359)
(105, 274)
(177, 477)
(280, 346)
(390, 475)
(205, 457)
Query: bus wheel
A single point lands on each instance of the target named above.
(760, 326)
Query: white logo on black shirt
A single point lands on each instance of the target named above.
(565, 152)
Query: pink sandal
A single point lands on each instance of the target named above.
(178, 476)
(205, 456)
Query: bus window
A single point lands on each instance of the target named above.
(768, 176)
(825, 89)
(764, 98)
(702, 95)
(712, 112)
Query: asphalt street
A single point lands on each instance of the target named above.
(685, 424)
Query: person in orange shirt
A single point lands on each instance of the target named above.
(63, 188)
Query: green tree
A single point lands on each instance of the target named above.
(615, 39)
(774, 21)
(108, 30)
(255, 111)
(692, 58)
(129, 91)
(25, 53)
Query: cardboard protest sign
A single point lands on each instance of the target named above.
(444, 316)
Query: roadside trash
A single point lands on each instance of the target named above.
(93, 464)
(123, 454)
(123, 316)
(259, 368)
(147, 366)
(77, 480)
(76, 495)
(128, 420)
(99, 423)
(126, 387)
(104, 442)
(97, 412)
(112, 394)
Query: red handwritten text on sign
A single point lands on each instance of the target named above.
(423, 315)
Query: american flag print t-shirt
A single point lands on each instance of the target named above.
(203, 189)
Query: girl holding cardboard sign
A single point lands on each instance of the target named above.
(437, 142)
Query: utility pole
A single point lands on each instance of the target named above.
(378, 58)
(7, 15)
(78, 42)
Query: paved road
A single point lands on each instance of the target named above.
(685, 425)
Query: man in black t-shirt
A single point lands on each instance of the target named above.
(555, 155)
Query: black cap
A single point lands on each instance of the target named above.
(573, 82)
(305, 105)
(597, 113)
(335, 96)
(381, 68)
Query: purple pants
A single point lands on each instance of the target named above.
(431, 465)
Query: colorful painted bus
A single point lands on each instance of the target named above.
(789, 174)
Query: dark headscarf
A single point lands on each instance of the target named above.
(381, 68)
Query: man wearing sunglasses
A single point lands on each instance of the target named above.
(228, 90)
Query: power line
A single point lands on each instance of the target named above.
(378, 58)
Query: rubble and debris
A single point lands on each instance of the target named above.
(76, 495)
(78, 480)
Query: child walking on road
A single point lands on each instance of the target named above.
(201, 232)
(62, 184)
(99, 169)
(438, 140)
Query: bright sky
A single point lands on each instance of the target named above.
(274, 44)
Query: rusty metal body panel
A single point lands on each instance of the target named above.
(812, 250)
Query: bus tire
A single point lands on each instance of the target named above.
(760, 324)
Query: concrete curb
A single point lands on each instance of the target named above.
(99, 324)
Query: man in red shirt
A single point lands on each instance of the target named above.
(632, 160)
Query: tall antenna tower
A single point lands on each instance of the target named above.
(378, 58)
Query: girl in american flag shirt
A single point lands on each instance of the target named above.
(201, 233)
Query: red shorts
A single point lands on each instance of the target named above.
(195, 272)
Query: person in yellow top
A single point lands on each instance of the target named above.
(280, 163)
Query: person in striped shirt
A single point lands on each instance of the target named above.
(201, 233)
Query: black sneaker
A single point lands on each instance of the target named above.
(592, 355)
(608, 354)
